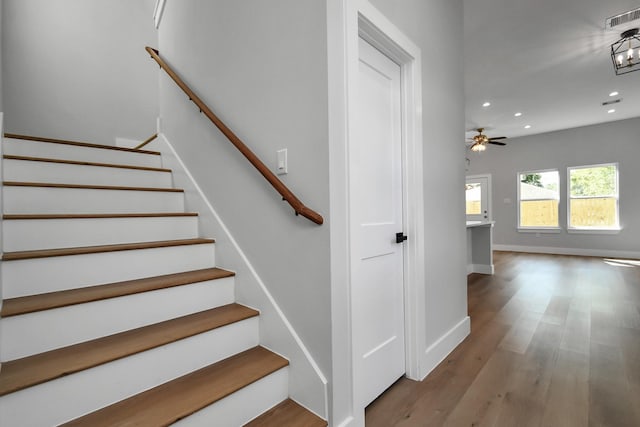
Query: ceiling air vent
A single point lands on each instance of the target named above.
(614, 22)
(615, 101)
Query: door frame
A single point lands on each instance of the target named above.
(346, 21)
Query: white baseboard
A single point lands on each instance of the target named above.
(350, 422)
(605, 253)
(480, 268)
(440, 349)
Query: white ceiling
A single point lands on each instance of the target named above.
(549, 60)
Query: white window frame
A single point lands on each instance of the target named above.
(536, 229)
(594, 230)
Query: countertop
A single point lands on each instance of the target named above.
(480, 223)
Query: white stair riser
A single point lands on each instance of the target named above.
(60, 327)
(44, 200)
(62, 173)
(32, 234)
(41, 275)
(244, 405)
(78, 153)
(74, 395)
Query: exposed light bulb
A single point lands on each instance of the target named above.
(486, 104)
(517, 114)
(614, 93)
(626, 60)
(477, 147)
(613, 110)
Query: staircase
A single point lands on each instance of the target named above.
(114, 312)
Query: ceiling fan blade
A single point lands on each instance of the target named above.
(498, 137)
(497, 143)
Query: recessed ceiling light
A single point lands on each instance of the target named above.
(613, 110)
(614, 93)
(517, 114)
(527, 127)
(486, 104)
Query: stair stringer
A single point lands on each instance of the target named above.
(1, 210)
(307, 383)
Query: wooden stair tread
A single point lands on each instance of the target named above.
(89, 187)
(28, 371)
(77, 143)
(40, 302)
(46, 253)
(83, 163)
(7, 217)
(179, 398)
(287, 413)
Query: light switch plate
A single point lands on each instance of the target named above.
(281, 162)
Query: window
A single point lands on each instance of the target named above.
(538, 199)
(593, 197)
(474, 198)
(478, 197)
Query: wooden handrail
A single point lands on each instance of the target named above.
(287, 195)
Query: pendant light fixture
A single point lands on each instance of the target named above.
(625, 53)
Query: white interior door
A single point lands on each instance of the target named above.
(376, 216)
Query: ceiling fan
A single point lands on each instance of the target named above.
(481, 140)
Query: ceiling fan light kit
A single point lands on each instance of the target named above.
(625, 53)
(481, 140)
(478, 147)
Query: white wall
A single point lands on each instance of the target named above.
(603, 143)
(77, 69)
(262, 67)
(435, 27)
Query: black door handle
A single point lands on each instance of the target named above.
(400, 237)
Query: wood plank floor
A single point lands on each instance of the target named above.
(555, 341)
